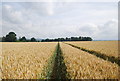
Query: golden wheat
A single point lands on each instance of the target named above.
(0, 60)
(25, 60)
(109, 48)
(81, 65)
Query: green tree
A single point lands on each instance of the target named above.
(33, 39)
(23, 39)
(11, 37)
(3, 39)
(89, 39)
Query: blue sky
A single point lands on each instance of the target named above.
(98, 20)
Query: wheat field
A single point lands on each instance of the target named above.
(81, 65)
(25, 60)
(109, 48)
(0, 60)
(28, 60)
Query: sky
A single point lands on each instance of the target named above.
(53, 19)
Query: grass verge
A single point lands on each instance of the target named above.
(56, 68)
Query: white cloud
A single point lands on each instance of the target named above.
(0, 20)
(89, 29)
(39, 8)
(11, 15)
(60, 0)
(42, 20)
(107, 31)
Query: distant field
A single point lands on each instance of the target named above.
(29, 60)
(109, 48)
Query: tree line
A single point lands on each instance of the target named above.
(11, 37)
(68, 39)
